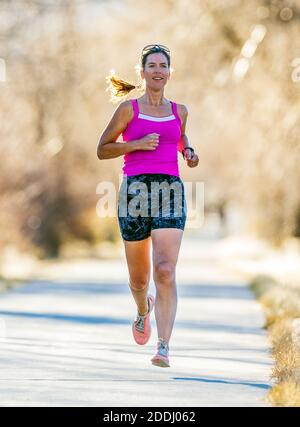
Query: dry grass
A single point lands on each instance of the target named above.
(282, 309)
(287, 393)
(8, 283)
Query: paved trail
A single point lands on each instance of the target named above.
(66, 339)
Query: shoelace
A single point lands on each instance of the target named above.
(162, 347)
(140, 321)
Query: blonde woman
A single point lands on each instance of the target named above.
(153, 132)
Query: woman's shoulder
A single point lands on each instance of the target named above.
(182, 112)
(126, 105)
(126, 109)
(181, 108)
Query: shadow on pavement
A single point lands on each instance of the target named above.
(215, 327)
(201, 290)
(205, 380)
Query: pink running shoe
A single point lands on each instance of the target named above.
(161, 358)
(141, 327)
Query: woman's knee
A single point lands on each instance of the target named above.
(139, 283)
(164, 272)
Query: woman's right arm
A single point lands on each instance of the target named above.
(108, 148)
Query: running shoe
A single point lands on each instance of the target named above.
(161, 358)
(141, 327)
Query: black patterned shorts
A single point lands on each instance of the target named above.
(150, 201)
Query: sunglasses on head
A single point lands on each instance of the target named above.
(155, 46)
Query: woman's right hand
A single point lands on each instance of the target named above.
(148, 142)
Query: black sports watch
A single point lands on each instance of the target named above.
(186, 148)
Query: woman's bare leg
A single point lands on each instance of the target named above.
(166, 244)
(139, 268)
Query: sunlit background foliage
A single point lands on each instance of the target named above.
(236, 68)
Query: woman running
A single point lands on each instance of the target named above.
(153, 129)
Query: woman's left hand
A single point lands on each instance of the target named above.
(191, 158)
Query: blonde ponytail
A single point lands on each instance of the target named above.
(118, 87)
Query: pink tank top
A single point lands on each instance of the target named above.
(164, 159)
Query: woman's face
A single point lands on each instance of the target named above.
(156, 66)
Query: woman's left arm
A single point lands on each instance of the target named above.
(190, 157)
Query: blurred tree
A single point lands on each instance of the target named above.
(236, 67)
